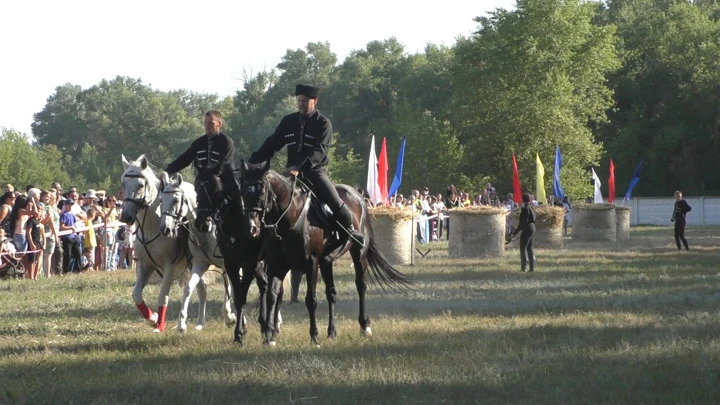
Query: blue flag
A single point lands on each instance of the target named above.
(398, 171)
(634, 181)
(557, 188)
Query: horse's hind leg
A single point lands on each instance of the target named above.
(326, 269)
(195, 278)
(202, 303)
(311, 275)
(142, 275)
(361, 265)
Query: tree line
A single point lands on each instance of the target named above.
(620, 79)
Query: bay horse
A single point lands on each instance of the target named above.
(170, 257)
(179, 204)
(298, 236)
(243, 257)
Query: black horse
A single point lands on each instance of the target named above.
(303, 238)
(238, 251)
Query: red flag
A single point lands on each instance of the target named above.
(382, 172)
(517, 191)
(611, 183)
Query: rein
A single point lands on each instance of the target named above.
(266, 198)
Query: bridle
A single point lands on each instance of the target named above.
(180, 216)
(267, 202)
(145, 202)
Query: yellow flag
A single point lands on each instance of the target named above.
(540, 182)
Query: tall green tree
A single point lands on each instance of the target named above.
(22, 163)
(667, 94)
(528, 80)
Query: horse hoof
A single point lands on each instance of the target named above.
(156, 330)
(231, 320)
(181, 330)
(153, 319)
(271, 343)
(199, 327)
(366, 332)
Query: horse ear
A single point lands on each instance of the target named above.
(179, 178)
(125, 162)
(165, 177)
(266, 167)
(244, 166)
(143, 162)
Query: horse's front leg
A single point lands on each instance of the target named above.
(163, 297)
(229, 312)
(326, 269)
(202, 301)
(195, 279)
(142, 275)
(273, 294)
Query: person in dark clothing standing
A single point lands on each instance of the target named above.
(678, 216)
(213, 152)
(307, 135)
(527, 226)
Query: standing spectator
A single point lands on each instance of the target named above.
(566, 218)
(442, 213)
(678, 216)
(110, 216)
(89, 241)
(126, 246)
(71, 248)
(9, 188)
(51, 230)
(6, 204)
(527, 226)
(35, 236)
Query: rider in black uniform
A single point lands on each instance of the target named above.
(307, 134)
(214, 152)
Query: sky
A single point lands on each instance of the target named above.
(205, 48)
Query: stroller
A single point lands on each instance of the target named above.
(11, 264)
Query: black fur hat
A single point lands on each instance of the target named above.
(306, 90)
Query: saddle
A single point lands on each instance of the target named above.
(319, 213)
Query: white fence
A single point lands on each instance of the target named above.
(657, 211)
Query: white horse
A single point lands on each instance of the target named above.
(179, 206)
(154, 251)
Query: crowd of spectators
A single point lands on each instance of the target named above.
(63, 232)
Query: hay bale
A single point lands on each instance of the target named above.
(477, 232)
(393, 233)
(594, 222)
(548, 225)
(622, 223)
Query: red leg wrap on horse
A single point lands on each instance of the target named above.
(144, 310)
(161, 318)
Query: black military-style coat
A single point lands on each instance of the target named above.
(307, 138)
(206, 152)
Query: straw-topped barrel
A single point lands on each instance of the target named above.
(594, 222)
(477, 232)
(548, 226)
(622, 223)
(393, 232)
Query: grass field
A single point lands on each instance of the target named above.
(635, 323)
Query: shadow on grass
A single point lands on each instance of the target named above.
(545, 364)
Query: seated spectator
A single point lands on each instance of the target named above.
(86, 261)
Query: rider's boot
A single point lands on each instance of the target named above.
(344, 218)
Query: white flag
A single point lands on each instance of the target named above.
(373, 188)
(598, 194)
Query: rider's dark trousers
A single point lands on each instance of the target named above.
(324, 188)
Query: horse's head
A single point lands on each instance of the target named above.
(175, 205)
(257, 196)
(209, 197)
(139, 188)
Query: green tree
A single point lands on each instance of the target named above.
(22, 163)
(528, 80)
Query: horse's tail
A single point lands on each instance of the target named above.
(382, 273)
